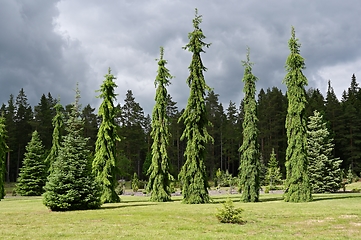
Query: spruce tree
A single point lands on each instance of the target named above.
(159, 176)
(32, 175)
(273, 176)
(11, 139)
(324, 170)
(249, 169)
(3, 151)
(23, 118)
(298, 188)
(193, 174)
(230, 140)
(71, 184)
(133, 144)
(58, 124)
(333, 115)
(105, 147)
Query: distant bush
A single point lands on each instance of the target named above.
(230, 214)
(225, 179)
(135, 183)
(120, 188)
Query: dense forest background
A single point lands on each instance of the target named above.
(134, 150)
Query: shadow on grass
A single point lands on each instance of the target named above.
(125, 205)
(334, 196)
(271, 199)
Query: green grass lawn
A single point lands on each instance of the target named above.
(329, 216)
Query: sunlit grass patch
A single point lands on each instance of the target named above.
(329, 216)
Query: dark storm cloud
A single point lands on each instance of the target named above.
(52, 45)
(33, 56)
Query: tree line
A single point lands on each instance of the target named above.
(342, 117)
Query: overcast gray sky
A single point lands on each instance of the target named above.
(48, 45)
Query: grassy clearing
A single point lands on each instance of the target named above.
(329, 216)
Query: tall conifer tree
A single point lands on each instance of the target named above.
(159, 176)
(3, 151)
(58, 124)
(32, 175)
(249, 168)
(193, 174)
(297, 183)
(105, 147)
(71, 184)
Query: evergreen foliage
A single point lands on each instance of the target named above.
(43, 115)
(58, 124)
(298, 188)
(193, 174)
(71, 184)
(90, 129)
(23, 117)
(333, 115)
(271, 112)
(133, 144)
(230, 141)
(11, 139)
(249, 169)
(349, 176)
(32, 175)
(3, 151)
(104, 167)
(159, 173)
(135, 182)
(323, 169)
(230, 214)
(216, 129)
(273, 176)
(351, 121)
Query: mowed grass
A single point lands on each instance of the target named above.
(329, 216)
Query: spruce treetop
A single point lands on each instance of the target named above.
(196, 37)
(295, 63)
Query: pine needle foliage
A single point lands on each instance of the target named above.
(58, 124)
(159, 184)
(323, 169)
(249, 169)
(298, 188)
(32, 177)
(230, 214)
(71, 184)
(104, 163)
(193, 173)
(3, 151)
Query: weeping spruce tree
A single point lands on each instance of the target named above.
(105, 147)
(298, 188)
(249, 169)
(71, 184)
(159, 176)
(32, 175)
(58, 124)
(3, 151)
(193, 173)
